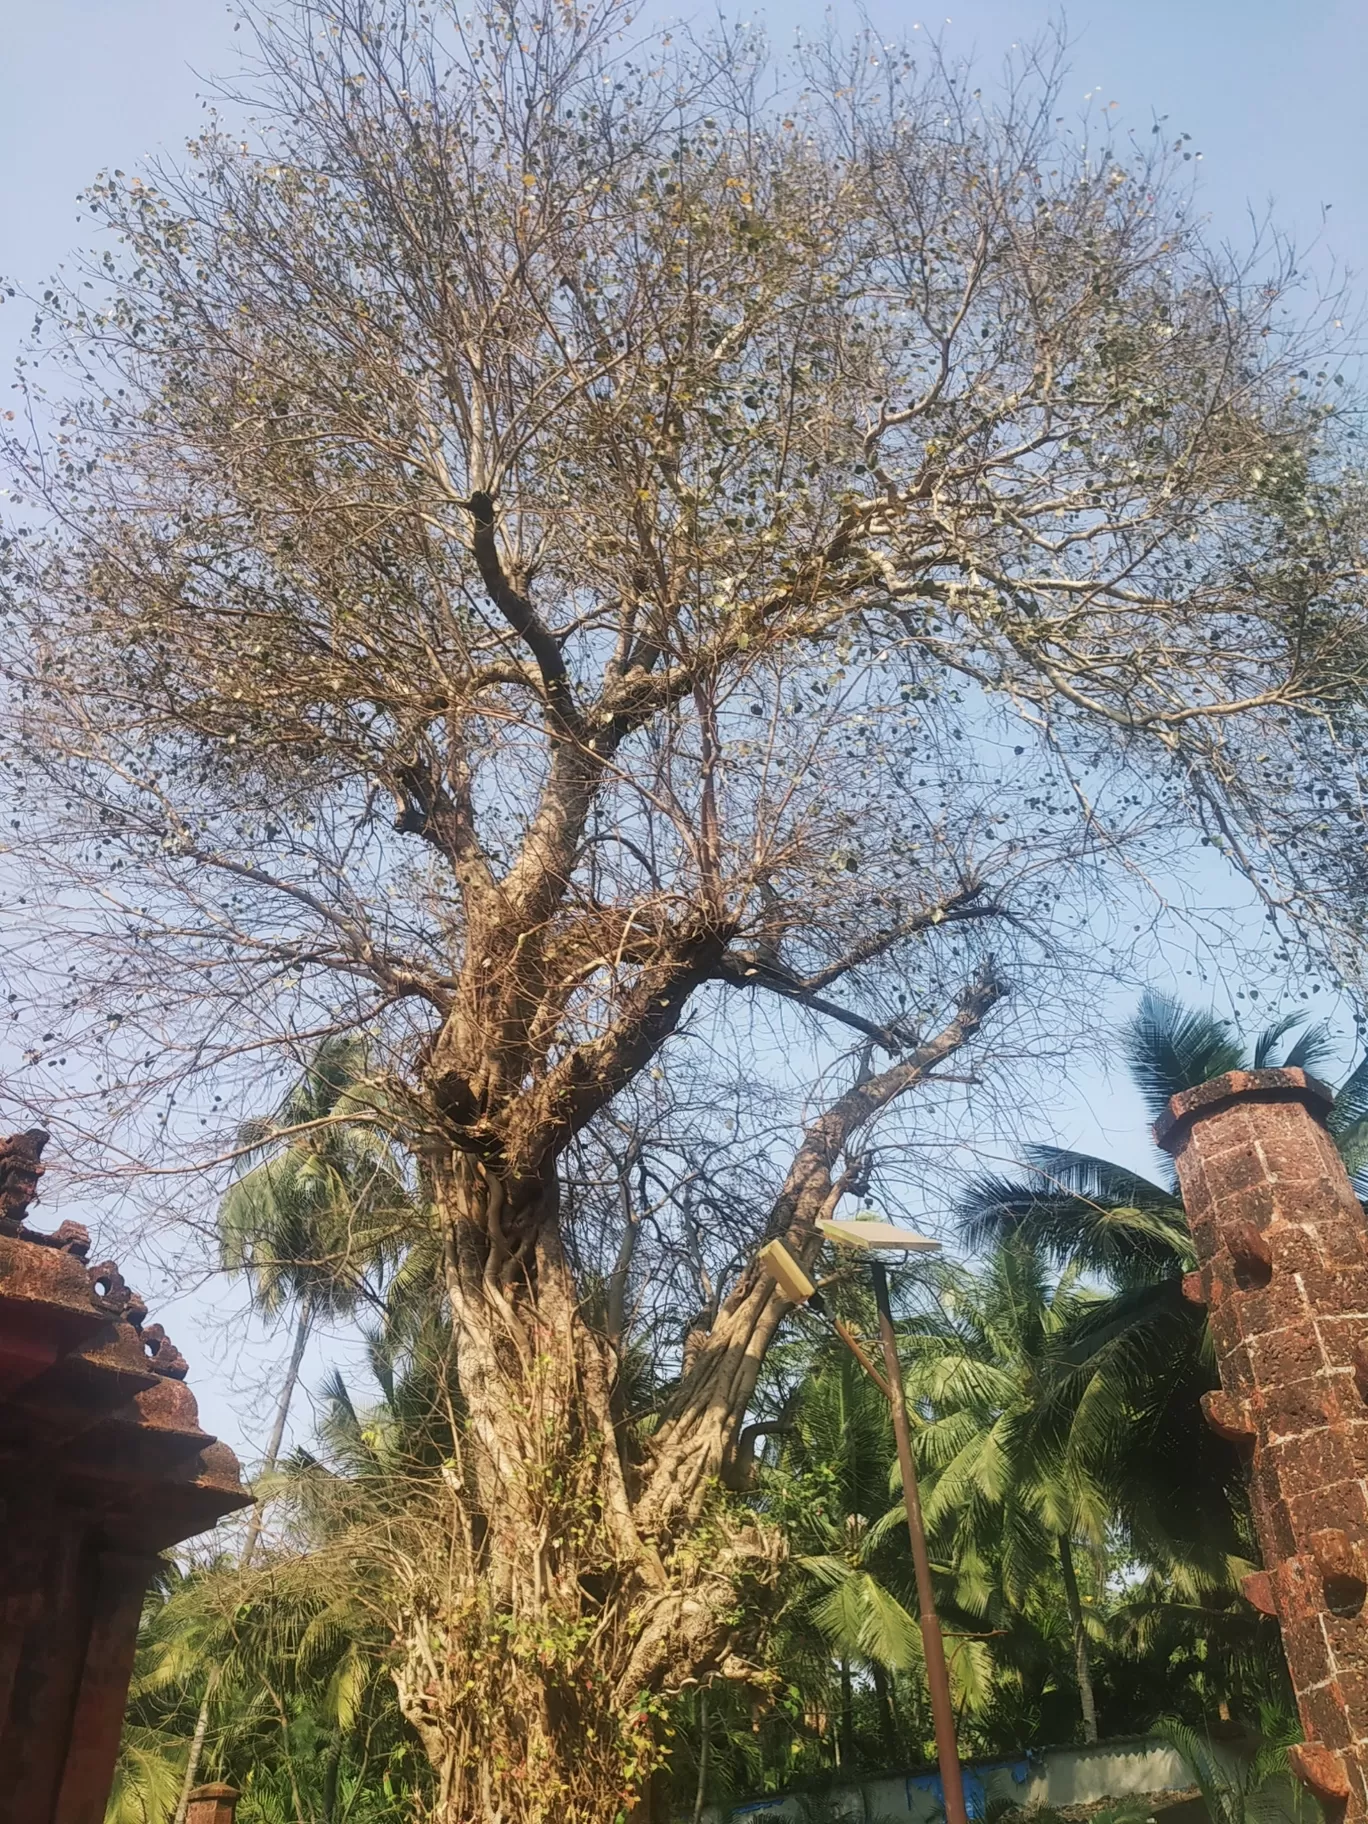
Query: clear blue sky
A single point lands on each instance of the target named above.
(1272, 96)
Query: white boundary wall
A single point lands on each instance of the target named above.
(1056, 1777)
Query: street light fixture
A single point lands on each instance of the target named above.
(870, 1238)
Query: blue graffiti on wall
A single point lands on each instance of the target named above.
(975, 1785)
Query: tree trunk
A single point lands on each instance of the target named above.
(704, 1755)
(249, 1544)
(888, 1727)
(546, 1628)
(192, 1763)
(1085, 1691)
(847, 1736)
(277, 1437)
(575, 1574)
(332, 1770)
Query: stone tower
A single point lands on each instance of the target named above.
(1283, 1250)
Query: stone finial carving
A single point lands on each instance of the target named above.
(1282, 1243)
(21, 1167)
(112, 1293)
(162, 1354)
(74, 1237)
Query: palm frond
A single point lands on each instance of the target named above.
(1265, 1046)
(147, 1777)
(1098, 1180)
(1080, 1212)
(1349, 1115)
(1170, 1048)
(321, 1206)
(1313, 1051)
(864, 1620)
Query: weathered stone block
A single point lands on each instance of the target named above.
(1257, 1590)
(1290, 1354)
(1323, 1771)
(1323, 1715)
(1296, 1247)
(1342, 1504)
(1272, 1523)
(1314, 1464)
(1299, 1407)
(1332, 1288)
(212, 1805)
(1343, 1338)
(1256, 1310)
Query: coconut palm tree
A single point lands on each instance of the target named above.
(835, 1490)
(1133, 1365)
(306, 1715)
(1134, 1358)
(855, 1586)
(307, 1719)
(1002, 1500)
(318, 1214)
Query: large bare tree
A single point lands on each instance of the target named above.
(557, 544)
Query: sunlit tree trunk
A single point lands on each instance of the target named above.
(704, 1756)
(303, 1325)
(535, 1666)
(1082, 1670)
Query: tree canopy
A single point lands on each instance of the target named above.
(657, 587)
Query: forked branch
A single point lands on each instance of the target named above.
(523, 618)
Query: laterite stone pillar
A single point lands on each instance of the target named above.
(212, 1805)
(1283, 1250)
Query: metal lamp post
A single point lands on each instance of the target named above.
(870, 1237)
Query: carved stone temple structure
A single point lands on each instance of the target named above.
(102, 1467)
(1283, 1249)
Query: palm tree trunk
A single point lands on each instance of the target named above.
(277, 1437)
(191, 1779)
(887, 1726)
(1085, 1691)
(846, 1744)
(249, 1544)
(704, 1755)
(332, 1770)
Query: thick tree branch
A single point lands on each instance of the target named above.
(756, 969)
(535, 883)
(809, 1177)
(954, 909)
(546, 1117)
(523, 618)
(444, 819)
